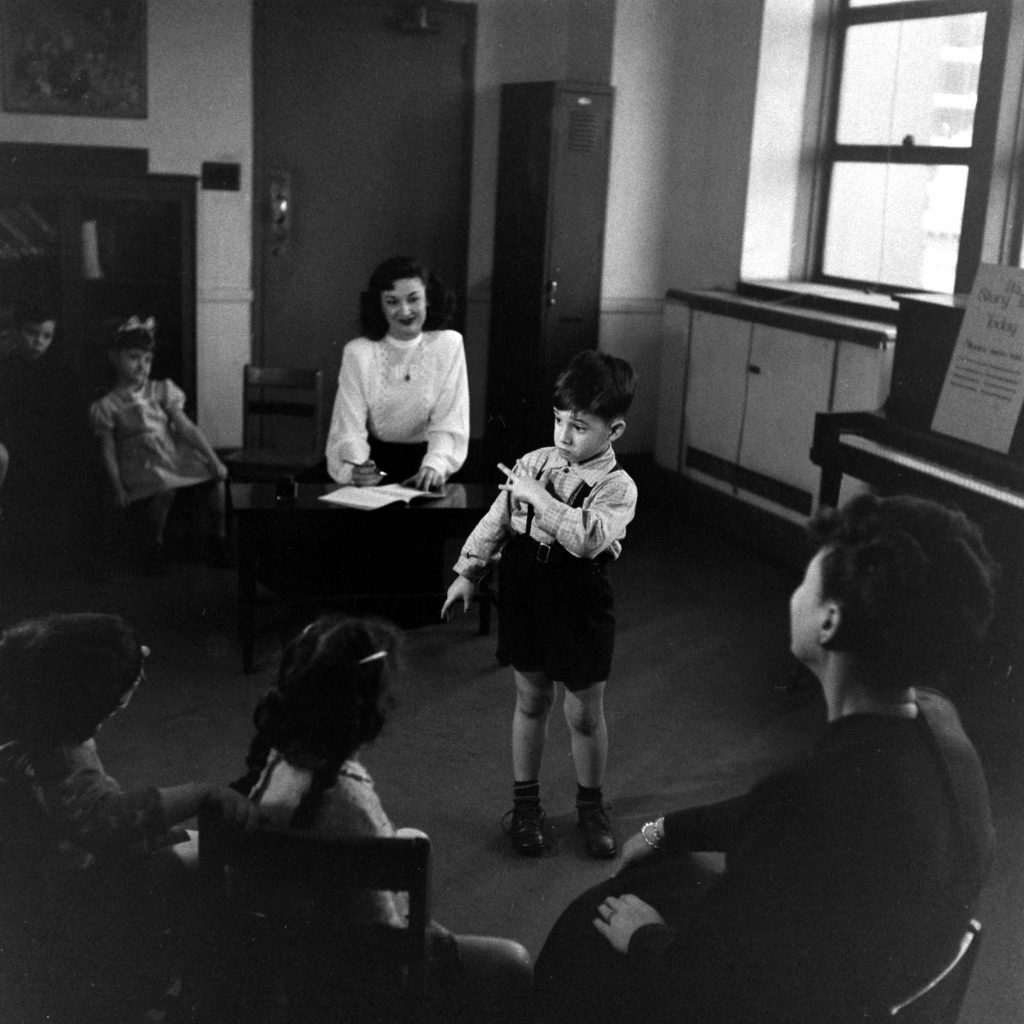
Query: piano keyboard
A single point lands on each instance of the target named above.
(934, 470)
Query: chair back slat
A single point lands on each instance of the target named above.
(282, 422)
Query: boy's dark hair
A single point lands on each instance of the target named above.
(132, 333)
(597, 383)
(333, 694)
(61, 676)
(914, 582)
(440, 298)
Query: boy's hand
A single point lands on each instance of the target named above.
(121, 498)
(461, 590)
(522, 486)
(219, 470)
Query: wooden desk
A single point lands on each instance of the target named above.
(305, 550)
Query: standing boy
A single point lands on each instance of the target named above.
(559, 523)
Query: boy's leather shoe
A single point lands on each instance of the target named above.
(598, 838)
(525, 827)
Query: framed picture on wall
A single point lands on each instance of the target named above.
(74, 57)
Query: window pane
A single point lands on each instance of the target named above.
(896, 224)
(915, 78)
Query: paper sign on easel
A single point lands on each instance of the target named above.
(982, 396)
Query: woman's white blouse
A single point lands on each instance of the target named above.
(405, 392)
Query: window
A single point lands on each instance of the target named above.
(904, 175)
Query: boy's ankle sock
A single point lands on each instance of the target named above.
(526, 794)
(588, 796)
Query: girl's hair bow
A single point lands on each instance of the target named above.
(133, 323)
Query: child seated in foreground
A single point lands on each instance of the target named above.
(332, 697)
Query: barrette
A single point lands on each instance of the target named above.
(376, 656)
(133, 323)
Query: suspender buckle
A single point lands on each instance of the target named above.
(543, 552)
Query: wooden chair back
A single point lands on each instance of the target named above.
(282, 422)
(287, 941)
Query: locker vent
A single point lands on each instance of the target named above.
(583, 129)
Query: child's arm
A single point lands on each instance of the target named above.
(586, 531)
(194, 436)
(108, 451)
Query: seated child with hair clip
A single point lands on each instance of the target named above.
(558, 524)
(151, 449)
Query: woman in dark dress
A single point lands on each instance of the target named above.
(849, 877)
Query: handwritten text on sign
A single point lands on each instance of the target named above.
(983, 394)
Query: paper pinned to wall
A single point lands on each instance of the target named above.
(983, 393)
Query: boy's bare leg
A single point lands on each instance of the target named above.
(535, 694)
(584, 713)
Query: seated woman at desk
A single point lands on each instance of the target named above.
(402, 405)
(849, 877)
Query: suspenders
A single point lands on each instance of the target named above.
(576, 500)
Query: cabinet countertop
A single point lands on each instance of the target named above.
(815, 322)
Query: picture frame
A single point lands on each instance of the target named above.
(74, 57)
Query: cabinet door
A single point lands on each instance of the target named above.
(715, 393)
(789, 380)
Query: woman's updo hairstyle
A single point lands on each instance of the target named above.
(333, 691)
(440, 298)
(914, 581)
(61, 676)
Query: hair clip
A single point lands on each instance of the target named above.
(133, 323)
(376, 656)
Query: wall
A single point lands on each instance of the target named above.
(199, 109)
(685, 73)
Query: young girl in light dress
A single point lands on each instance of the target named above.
(151, 449)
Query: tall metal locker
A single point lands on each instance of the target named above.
(548, 244)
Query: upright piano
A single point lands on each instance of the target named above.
(895, 450)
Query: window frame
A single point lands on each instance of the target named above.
(975, 241)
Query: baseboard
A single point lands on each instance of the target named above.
(780, 540)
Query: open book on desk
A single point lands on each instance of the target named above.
(377, 497)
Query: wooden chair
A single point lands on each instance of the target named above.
(282, 424)
(280, 948)
(941, 999)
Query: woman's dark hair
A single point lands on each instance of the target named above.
(62, 675)
(333, 695)
(132, 333)
(914, 581)
(440, 298)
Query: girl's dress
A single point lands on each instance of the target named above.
(151, 458)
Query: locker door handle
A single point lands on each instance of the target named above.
(754, 368)
(552, 293)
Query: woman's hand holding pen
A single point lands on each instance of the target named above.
(366, 474)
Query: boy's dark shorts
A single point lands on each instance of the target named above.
(555, 617)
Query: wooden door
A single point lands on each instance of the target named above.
(366, 119)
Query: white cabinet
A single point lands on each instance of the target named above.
(789, 377)
(753, 381)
